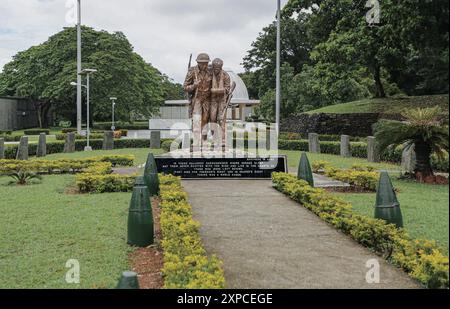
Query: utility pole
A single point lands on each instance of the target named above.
(278, 89)
(79, 68)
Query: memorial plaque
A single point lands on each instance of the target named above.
(222, 168)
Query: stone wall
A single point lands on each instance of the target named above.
(16, 114)
(339, 124)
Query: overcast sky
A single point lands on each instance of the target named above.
(164, 32)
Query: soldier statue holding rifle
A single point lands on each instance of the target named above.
(209, 93)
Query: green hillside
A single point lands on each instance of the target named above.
(392, 105)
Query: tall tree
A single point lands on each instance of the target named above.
(43, 74)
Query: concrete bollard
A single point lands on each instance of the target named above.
(155, 140)
(314, 143)
(140, 217)
(22, 151)
(69, 145)
(345, 146)
(372, 152)
(128, 281)
(108, 140)
(409, 160)
(2, 148)
(42, 145)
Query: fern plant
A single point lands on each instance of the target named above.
(425, 128)
(23, 177)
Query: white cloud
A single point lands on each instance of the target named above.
(164, 32)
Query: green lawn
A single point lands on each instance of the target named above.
(388, 105)
(42, 228)
(424, 208)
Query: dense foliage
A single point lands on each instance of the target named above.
(331, 54)
(43, 74)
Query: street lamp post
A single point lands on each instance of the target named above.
(79, 120)
(113, 99)
(278, 64)
(86, 72)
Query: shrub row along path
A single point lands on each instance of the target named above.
(266, 240)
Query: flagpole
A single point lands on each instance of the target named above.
(79, 94)
(278, 64)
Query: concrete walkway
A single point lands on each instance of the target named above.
(267, 240)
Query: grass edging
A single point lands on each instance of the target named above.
(186, 263)
(421, 259)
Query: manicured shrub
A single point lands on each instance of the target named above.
(68, 130)
(421, 259)
(359, 179)
(319, 167)
(11, 138)
(186, 264)
(62, 137)
(36, 131)
(121, 125)
(96, 181)
(64, 165)
(96, 144)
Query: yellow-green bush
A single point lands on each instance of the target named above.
(421, 259)
(319, 166)
(62, 165)
(362, 177)
(98, 182)
(186, 264)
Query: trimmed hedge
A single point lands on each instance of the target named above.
(65, 166)
(360, 176)
(421, 259)
(36, 131)
(186, 264)
(359, 150)
(322, 137)
(62, 137)
(95, 182)
(58, 146)
(121, 126)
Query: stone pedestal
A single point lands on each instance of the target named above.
(22, 151)
(155, 139)
(372, 153)
(345, 146)
(2, 148)
(69, 146)
(409, 160)
(314, 144)
(108, 140)
(42, 145)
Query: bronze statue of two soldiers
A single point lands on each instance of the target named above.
(209, 89)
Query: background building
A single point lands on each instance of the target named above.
(17, 114)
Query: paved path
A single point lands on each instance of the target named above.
(267, 240)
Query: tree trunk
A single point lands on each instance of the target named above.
(44, 116)
(423, 171)
(379, 89)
